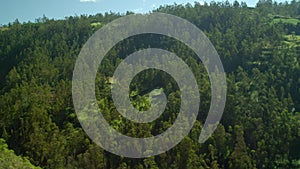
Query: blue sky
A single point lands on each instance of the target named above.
(29, 10)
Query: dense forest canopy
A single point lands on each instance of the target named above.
(260, 128)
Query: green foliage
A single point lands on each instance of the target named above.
(259, 48)
(9, 160)
(292, 21)
(239, 157)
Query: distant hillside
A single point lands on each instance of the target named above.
(260, 127)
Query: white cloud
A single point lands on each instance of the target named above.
(138, 10)
(88, 0)
(201, 2)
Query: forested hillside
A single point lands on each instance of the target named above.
(260, 127)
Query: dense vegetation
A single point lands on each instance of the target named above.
(10, 161)
(260, 128)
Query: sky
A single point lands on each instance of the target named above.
(29, 10)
